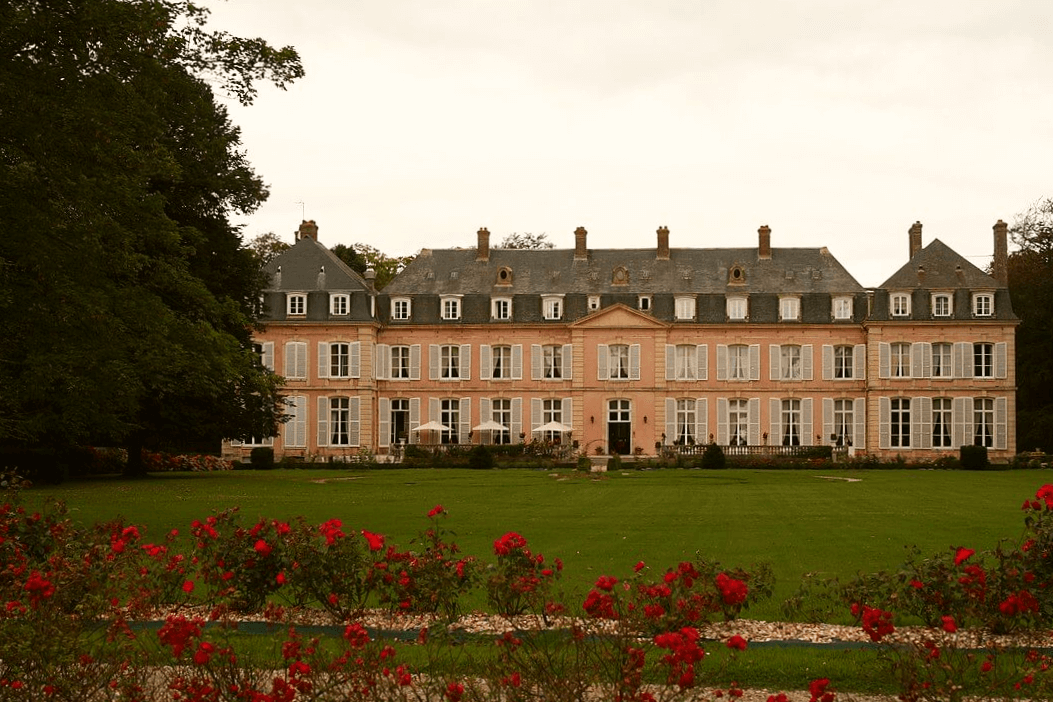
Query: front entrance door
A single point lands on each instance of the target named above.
(619, 427)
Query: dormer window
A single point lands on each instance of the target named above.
(400, 308)
(736, 275)
(644, 303)
(504, 276)
(790, 309)
(296, 304)
(501, 308)
(842, 307)
(941, 304)
(620, 276)
(685, 308)
(738, 308)
(451, 307)
(339, 304)
(899, 304)
(983, 304)
(594, 303)
(552, 306)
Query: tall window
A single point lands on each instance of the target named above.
(297, 304)
(983, 421)
(552, 361)
(899, 423)
(339, 360)
(450, 361)
(296, 360)
(900, 359)
(842, 308)
(738, 421)
(685, 423)
(339, 304)
(791, 422)
(843, 361)
(450, 417)
(685, 308)
(552, 307)
(983, 304)
(941, 361)
(339, 421)
(737, 308)
(501, 308)
(738, 362)
(551, 411)
(618, 361)
(983, 360)
(400, 308)
(941, 422)
(686, 362)
(400, 362)
(790, 362)
(501, 412)
(844, 420)
(789, 308)
(400, 416)
(451, 308)
(941, 305)
(501, 362)
(900, 303)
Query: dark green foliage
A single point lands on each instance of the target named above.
(974, 458)
(262, 458)
(480, 458)
(713, 458)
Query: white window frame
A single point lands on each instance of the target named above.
(984, 360)
(501, 308)
(340, 304)
(450, 362)
(400, 370)
(942, 304)
(401, 308)
(685, 308)
(899, 304)
(644, 303)
(942, 423)
(899, 359)
(844, 362)
(552, 307)
(609, 360)
(296, 304)
(983, 304)
(842, 307)
(450, 307)
(738, 419)
(500, 366)
(594, 303)
(984, 428)
(789, 308)
(738, 308)
(942, 365)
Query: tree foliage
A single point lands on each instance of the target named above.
(526, 240)
(360, 257)
(1030, 268)
(125, 292)
(267, 246)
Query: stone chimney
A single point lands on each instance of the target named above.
(482, 249)
(663, 243)
(308, 230)
(764, 243)
(915, 239)
(581, 252)
(1000, 264)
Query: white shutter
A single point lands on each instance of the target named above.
(634, 362)
(485, 370)
(807, 358)
(323, 359)
(414, 362)
(859, 362)
(323, 421)
(884, 361)
(828, 416)
(670, 362)
(755, 432)
(859, 418)
(465, 370)
(296, 427)
(722, 362)
(920, 359)
(828, 363)
(962, 361)
(601, 362)
(774, 421)
(702, 420)
(267, 357)
(568, 362)
(535, 415)
(414, 419)
(568, 411)
(383, 422)
(382, 366)
(962, 421)
(293, 361)
(884, 422)
(517, 362)
(1001, 414)
(1001, 364)
(702, 356)
(466, 421)
(485, 411)
(921, 422)
(722, 421)
(355, 424)
(434, 412)
(356, 359)
(755, 362)
(517, 419)
(535, 361)
(807, 422)
(670, 419)
(433, 361)
(774, 358)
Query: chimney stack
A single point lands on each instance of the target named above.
(482, 250)
(308, 230)
(1000, 264)
(581, 253)
(663, 243)
(764, 243)
(915, 239)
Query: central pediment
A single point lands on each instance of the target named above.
(619, 315)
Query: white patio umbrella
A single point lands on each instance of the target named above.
(430, 426)
(554, 426)
(490, 426)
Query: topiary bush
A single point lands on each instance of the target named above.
(713, 457)
(262, 458)
(974, 458)
(480, 458)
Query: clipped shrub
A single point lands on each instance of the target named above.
(713, 457)
(262, 458)
(480, 458)
(974, 458)
(584, 464)
(614, 462)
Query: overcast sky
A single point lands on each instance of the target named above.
(837, 123)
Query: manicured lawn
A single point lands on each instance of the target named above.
(605, 523)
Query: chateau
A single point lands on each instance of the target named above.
(640, 350)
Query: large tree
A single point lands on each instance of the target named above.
(125, 293)
(526, 240)
(1031, 287)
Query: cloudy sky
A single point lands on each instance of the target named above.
(836, 122)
